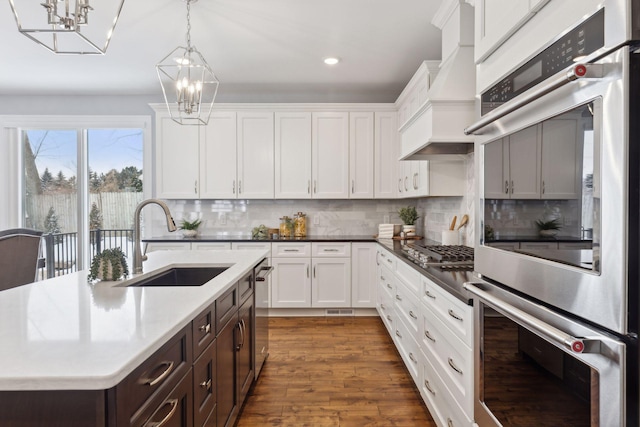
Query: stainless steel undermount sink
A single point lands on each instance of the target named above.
(179, 276)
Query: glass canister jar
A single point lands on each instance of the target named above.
(300, 224)
(286, 227)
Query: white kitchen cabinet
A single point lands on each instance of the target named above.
(293, 155)
(166, 246)
(385, 155)
(363, 278)
(218, 157)
(496, 21)
(251, 245)
(177, 151)
(330, 155)
(331, 282)
(255, 155)
(560, 147)
(361, 155)
(439, 178)
(291, 282)
(512, 166)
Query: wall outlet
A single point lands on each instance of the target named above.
(223, 218)
(385, 220)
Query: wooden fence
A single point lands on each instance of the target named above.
(116, 208)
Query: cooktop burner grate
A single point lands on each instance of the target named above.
(443, 256)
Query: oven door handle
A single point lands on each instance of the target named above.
(574, 73)
(574, 344)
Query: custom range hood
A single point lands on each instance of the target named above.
(435, 129)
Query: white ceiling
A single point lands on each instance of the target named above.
(261, 50)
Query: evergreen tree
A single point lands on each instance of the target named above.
(95, 217)
(46, 179)
(51, 224)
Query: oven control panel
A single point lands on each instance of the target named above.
(584, 39)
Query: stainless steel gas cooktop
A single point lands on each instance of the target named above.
(452, 257)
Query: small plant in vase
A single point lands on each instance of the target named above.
(409, 216)
(190, 228)
(548, 228)
(109, 265)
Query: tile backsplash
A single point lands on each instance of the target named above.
(324, 217)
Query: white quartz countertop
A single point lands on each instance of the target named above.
(67, 334)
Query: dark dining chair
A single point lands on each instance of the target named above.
(19, 256)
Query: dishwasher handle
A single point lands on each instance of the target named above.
(574, 344)
(262, 273)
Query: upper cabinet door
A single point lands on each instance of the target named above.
(361, 155)
(385, 163)
(496, 169)
(176, 160)
(330, 154)
(255, 155)
(293, 155)
(561, 143)
(218, 157)
(495, 22)
(524, 163)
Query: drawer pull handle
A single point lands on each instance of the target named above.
(449, 422)
(382, 278)
(398, 297)
(205, 328)
(291, 250)
(413, 358)
(454, 315)
(389, 318)
(162, 376)
(389, 286)
(398, 333)
(206, 384)
(429, 337)
(428, 387)
(382, 255)
(174, 407)
(383, 307)
(429, 294)
(330, 250)
(453, 366)
(389, 261)
(412, 314)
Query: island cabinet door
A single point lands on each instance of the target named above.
(204, 388)
(174, 410)
(244, 348)
(227, 408)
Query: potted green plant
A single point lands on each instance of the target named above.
(190, 228)
(109, 265)
(409, 216)
(548, 228)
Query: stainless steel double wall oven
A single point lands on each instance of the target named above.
(558, 242)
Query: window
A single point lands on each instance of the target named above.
(81, 179)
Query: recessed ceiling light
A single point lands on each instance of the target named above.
(331, 61)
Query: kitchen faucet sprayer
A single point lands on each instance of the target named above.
(137, 252)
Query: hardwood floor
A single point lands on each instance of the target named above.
(333, 371)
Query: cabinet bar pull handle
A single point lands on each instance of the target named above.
(389, 318)
(382, 278)
(174, 407)
(399, 185)
(308, 186)
(307, 271)
(429, 337)
(315, 186)
(406, 178)
(241, 343)
(454, 315)
(151, 382)
(542, 187)
(353, 183)
(415, 181)
(240, 187)
(377, 258)
(205, 328)
(428, 387)
(413, 358)
(389, 261)
(412, 314)
(511, 187)
(206, 384)
(398, 333)
(398, 297)
(389, 286)
(234, 186)
(244, 329)
(429, 294)
(453, 366)
(449, 422)
(195, 187)
(506, 187)
(291, 250)
(314, 271)
(329, 250)
(383, 307)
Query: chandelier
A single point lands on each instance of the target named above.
(188, 83)
(62, 26)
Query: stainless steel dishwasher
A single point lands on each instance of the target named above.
(261, 336)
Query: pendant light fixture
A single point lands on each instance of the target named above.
(188, 83)
(64, 27)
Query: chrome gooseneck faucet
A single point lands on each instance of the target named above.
(137, 252)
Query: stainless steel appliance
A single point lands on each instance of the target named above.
(558, 141)
(261, 343)
(447, 257)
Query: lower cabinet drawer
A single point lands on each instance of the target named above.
(452, 358)
(154, 377)
(204, 330)
(204, 386)
(441, 404)
(408, 348)
(174, 410)
(226, 307)
(451, 311)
